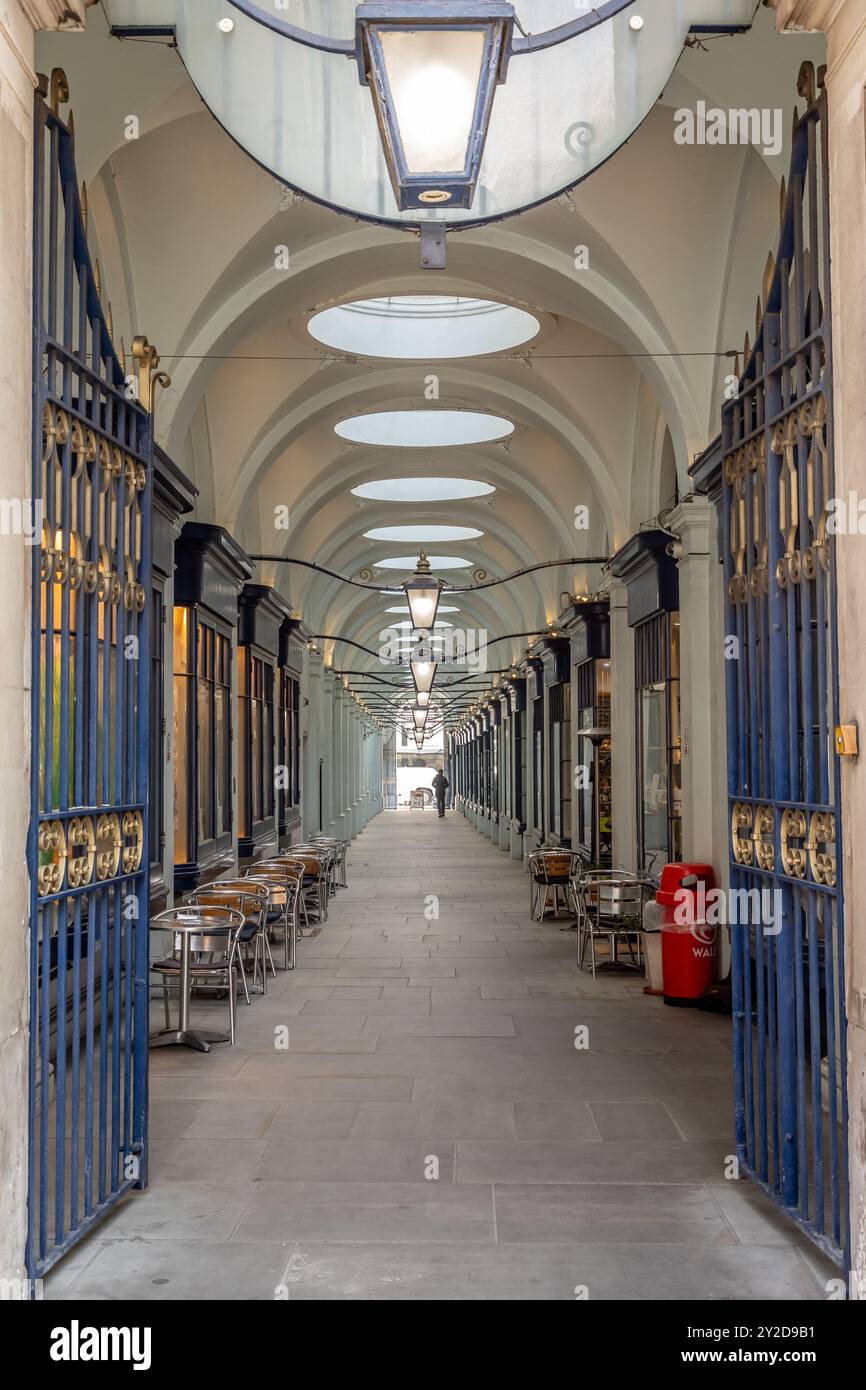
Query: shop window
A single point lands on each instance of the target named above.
(289, 749)
(202, 737)
(593, 796)
(519, 765)
(157, 741)
(559, 802)
(657, 669)
(256, 791)
(538, 763)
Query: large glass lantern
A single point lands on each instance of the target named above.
(422, 594)
(423, 674)
(432, 67)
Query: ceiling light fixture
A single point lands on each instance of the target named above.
(432, 67)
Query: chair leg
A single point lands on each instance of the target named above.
(270, 955)
(165, 1003)
(259, 962)
(240, 960)
(292, 937)
(233, 984)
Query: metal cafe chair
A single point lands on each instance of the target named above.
(332, 847)
(297, 868)
(214, 944)
(552, 871)
(611, 905)
(284, 898)
(315, 877)
(342, 851)
(252, 901)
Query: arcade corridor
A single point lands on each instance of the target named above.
(300, 1174)
(405, 394)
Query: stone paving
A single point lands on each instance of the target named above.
(432, 1132)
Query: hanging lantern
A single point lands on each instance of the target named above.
(423, 674)
(422, 594)
(432, 67)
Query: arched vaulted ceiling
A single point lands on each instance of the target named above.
(623, 384)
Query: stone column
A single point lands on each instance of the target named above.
(327, 751)
(312, 689)
(702, 685)
(336, 761)
(363, 773)
(506, 733)
(19, 19)
(354, 766)
(389, 769)
(844, 22)
(624, 783)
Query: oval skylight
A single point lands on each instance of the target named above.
(424, 429)
(402, 608)
(407, 622)
(422, 490)
(423, 535)
(437, 562)
(423, 327)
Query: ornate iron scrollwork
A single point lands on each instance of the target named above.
(742, 843)
(793, 828)
(822, 847)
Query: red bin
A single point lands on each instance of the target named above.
(688, 950)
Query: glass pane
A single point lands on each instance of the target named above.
(243, 753)
(654, 775)
(256, 756)
(223, 760)
(205, 760)
(434, 78)
(181, 743)
(181, 639)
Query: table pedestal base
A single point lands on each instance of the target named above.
(186, 1037)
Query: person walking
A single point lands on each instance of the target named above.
(440, 784)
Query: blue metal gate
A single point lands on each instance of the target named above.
(89, 753)
(783, 778)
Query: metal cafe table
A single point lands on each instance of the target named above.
(189, 923)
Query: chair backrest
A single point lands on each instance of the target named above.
(218, 925)
(242, 896)
(240, 885)
(313, 861)
(550, 864)
(614, 897)
(277, 886)
(288, 861)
